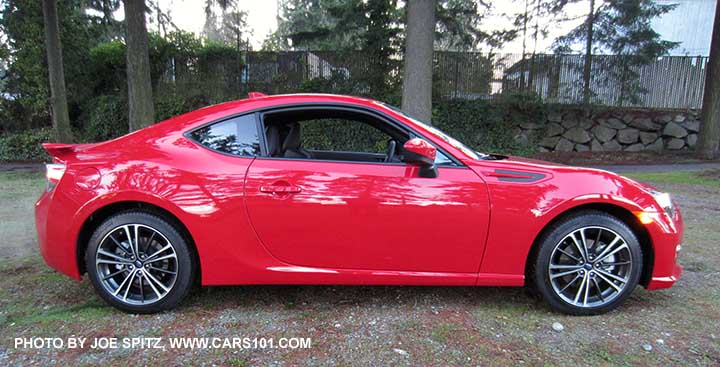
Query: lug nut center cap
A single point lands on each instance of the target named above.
(138, 264)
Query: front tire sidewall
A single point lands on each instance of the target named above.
(557, 233)
(186, 269)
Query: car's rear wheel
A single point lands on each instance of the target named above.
(587, 264)
(139, 263)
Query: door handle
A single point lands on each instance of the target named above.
(280, 189)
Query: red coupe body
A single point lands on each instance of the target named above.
(275, 220)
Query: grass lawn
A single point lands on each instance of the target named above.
(709, 178)
(18, 193)
(367, 325)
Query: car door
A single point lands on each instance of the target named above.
(367, 215)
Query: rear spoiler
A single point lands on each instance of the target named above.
(60, 151)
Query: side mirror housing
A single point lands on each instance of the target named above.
(420, 152)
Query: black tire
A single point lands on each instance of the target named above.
(184, 263)
(586, 222)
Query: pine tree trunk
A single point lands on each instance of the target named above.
(140, 101)
(709, 138)
(587, 67)
(417, 78)
(58, 95)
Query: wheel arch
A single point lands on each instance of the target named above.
(617, 211)
(106, 211)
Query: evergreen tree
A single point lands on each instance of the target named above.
(621, 28)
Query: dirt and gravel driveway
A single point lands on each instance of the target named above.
(366, 325)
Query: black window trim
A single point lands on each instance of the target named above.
(258, 112)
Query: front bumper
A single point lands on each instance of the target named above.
(666, 235)
(663, 282)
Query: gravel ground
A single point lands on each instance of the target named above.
(375, 325)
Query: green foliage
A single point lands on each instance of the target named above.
(343, 135)
(171, 104)
(488, 125)
(27, 81)
(104, 117)
(24, 146)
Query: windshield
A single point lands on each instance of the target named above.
(437, 132)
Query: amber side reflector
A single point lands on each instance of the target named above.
(644, 218)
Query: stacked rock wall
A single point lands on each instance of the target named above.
(611, 131)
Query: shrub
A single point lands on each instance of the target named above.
(25, 146)
(103, 118)
(489, 125)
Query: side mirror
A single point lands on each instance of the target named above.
(420, 152)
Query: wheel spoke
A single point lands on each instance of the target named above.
(571, 282)
(564, 266)
(617, 288)
(613, 252)
(120, 287)
(157, 281)
(599, 290)
(119, 245)
(129, 239)
(171, 256)
(158, 252)
(558, 275)
(569, 255)
(137, 243)
(113, 274)
(142, 291)
(584, 242)
(152, 285)
(162, 270)
(116, 257)
(608, 248)
(148, 243)
(577, 245)
(579, 291)
(597, 239)
(615, 264)
(127, 290)
(111, 262)
(611, 275)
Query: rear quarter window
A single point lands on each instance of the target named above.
(236, 136)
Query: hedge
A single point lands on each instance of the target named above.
(485, 125)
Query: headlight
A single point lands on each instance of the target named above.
(664, 201)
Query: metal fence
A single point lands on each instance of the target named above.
(668, 82)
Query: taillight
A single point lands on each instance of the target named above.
(53, 173)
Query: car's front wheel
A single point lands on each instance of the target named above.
(587, 264)
(139, 263)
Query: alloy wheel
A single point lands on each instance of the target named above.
(136, 264)
(590, 266)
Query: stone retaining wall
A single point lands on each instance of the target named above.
(611, 131)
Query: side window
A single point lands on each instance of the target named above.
(442, 160)
(343, 135)
(237, 136)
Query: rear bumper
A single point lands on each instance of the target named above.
(57, 245)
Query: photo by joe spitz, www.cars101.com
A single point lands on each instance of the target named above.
(327, 189)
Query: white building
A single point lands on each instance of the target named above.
(690, 23)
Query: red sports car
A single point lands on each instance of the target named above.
(327, 189)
